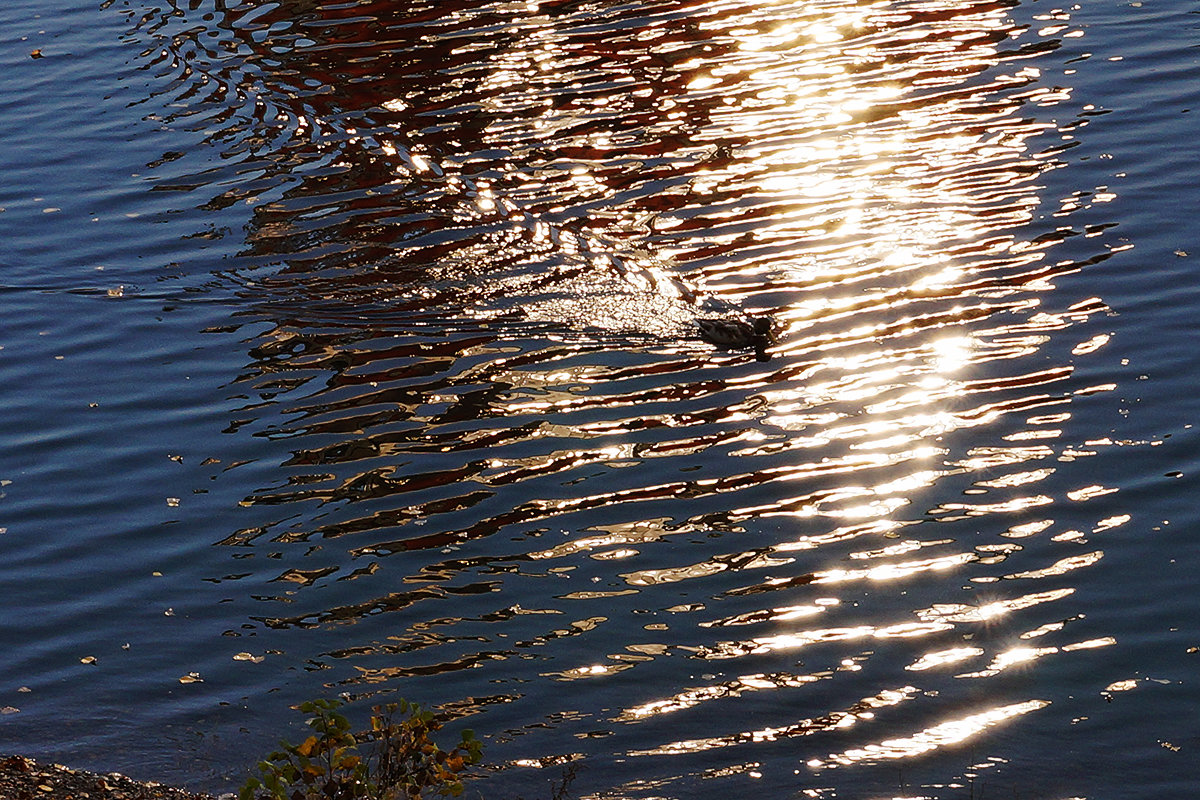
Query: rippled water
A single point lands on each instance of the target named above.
(354, 348)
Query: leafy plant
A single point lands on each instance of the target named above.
(401, 760)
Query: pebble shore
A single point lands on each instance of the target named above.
(26, 779)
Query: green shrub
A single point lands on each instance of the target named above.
(400, 762)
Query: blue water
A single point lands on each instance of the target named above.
(351, 350)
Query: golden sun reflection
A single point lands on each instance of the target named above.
(885, 174)
(860, 711)
(734, 688)
(581, 185)
(943, 657)
(961, 612)
(1018, 656)
(938, 736)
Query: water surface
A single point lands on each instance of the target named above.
(352, 349)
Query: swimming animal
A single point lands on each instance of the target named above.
(735, 334)
(735, 330)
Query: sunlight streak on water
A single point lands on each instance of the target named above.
(491, 463)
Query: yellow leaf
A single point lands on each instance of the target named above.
(307, 748)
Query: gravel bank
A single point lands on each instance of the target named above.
(25, 779)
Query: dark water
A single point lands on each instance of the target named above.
(351, 349)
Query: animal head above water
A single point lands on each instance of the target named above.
(734, 334)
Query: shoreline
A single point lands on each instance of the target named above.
(23, 778)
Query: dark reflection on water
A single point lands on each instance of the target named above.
(521, 486)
